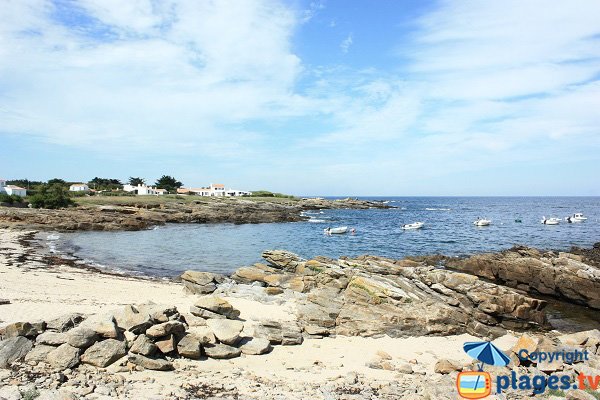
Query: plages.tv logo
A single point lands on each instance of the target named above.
(478, 384)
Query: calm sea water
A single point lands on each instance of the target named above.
(169, 250)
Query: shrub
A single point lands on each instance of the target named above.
(10, 198)
(51, 196)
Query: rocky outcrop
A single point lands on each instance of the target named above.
(197, 282)
(562, 275)
(13, 349)
(370, 296)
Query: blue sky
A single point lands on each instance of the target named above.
(305, 97)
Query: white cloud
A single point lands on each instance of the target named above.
(346, 43)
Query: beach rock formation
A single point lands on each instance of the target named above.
(371, 296)
(563, 275)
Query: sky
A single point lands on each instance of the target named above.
(327, 97)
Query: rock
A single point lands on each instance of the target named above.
(579, 395)
(256, 273)
(52, 338)
(316, 330)
(405, 368)
(143, 345)
(189, 347)
(217, 305)
(203, 333)
(525, 342)
(38, 353)
(250, 345)
(165, 328)
(167, 345)
(225, 330)
(205, 314)
(63, 357)
(104, 353)
(445, 366)
(81, 337)
(287, 333)
(383, 355)
(273, 291)
(197, 282)
(221, 351)
(104, 325)
(282, 259)
(10, 393)
(580, 338)
(13, 349)
(20, 329)
(65, 322)
(129, 318)
(156, 364)
(158, 313)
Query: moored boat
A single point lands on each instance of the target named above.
(550, 221)
(414, 225)
(482, 222)
(577, 217)
(338, 230)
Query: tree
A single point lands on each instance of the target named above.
(51, 196)
(169, 183)
(105, 184)
(136, 181)
(57, 181)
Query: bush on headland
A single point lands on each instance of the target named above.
(266, 193)
(10, 198)
(51, 196)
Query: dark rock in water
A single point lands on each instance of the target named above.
(104, 353)
(198, 282)
(13, 349)
(157, 364)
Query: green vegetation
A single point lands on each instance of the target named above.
(136, 181)
(105, 184)
(51, 196)
(24, 183)
(168, 183)
(266, 193)
(10, 198)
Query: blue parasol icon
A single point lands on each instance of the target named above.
(487, 353)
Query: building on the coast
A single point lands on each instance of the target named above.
(12, 189)
(79, 187)
(144, 190)
(214, 190)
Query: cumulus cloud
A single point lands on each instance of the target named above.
(346, 43)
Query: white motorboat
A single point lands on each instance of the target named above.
(414, 225)
(339, 230)
(577, 217)
(550, 221)
(482, 222)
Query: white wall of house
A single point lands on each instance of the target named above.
(143, 190)
(16, 190)
(79, 187)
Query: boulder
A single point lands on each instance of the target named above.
(104, 325)
(165, 328)
(217, 305)
(13, 349)
(221, 351)
(20, 329)
(203, 333)
(198, 282)
(256, 273)
(65, 322)
(445, 366)
(580, 338)
(205, 314)
(38, 353)
(159, 313)
(189, 347)
(156, 364)
(166, 345)
(250, 345)
(129, 318)
(63, 357)
(143, 345)
(284, 260)
(104, 353)
(81, 337)
(286, 333)
(225, 330)
(52, 338)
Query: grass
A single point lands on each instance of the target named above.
(170, 198)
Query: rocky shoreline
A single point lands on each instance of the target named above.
(132, 215)
(353, 328)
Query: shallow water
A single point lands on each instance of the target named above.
(169, 250)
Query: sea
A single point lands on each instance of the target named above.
(166, 251)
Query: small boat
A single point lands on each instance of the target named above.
(577, 217)
(339, 230)
(414, 225)
(518, 220)
(550, 221)
(482, 222)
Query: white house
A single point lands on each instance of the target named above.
(214, 190)
(12, 189)
(144, 190)
(79, 187)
